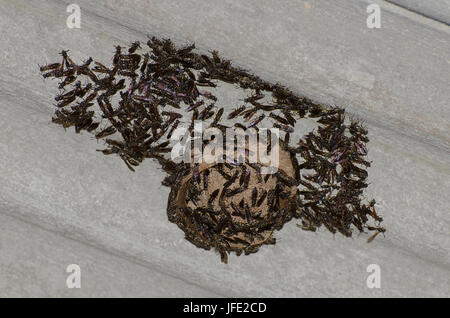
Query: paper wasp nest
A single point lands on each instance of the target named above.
(233, 207)
(144, 97)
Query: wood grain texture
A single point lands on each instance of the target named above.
(33, 263)
(395, 78)
(434, 9)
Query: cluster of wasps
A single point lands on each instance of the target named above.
(232, 207)
(143, 98)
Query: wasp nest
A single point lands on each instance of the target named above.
(144, 96)
(233, 206)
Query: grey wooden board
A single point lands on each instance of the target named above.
(395, 78)
(34, 262)
(399, 73)
(434, 9)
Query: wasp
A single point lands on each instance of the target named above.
(279, 119)
(270, 198)
(66, 101)
(257, 121)
(266, 108)
(117, 55)
(240, 241)
(208, 95)
(248, 114)
(134, 46)
(218, 117)
(201, 81)
(262, 198)
(254, 196)
(49, 67)
(315, 111)
(106, 132)
(242, 178)
(231, 180)
(236, 112)
(127, 162)
(285, 128)
(239, 125)
(246, 174)
(68, 80)
(144, 63)
(205, 114)
(291, 120)
(213, 196)
(84, 65)
(100, 68)
(254, 98)
(205, 179)
(223, 173)
(236, 209)
(378, 231)
(231, 193)
(174, 126)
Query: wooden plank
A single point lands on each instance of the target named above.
(396, 78)
(323, 49)
(34, 262)
(438, 10)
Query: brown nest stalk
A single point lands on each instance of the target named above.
(227, 206)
